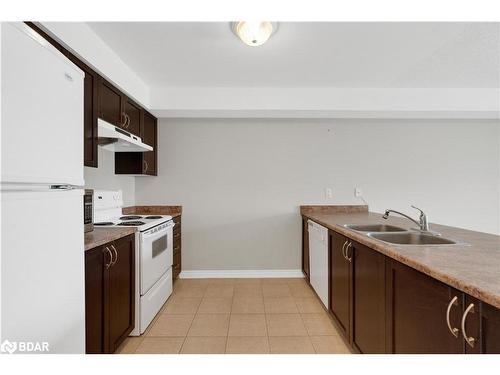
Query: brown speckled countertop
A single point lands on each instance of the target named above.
(153, 210)
(100, 236)
(473, 267)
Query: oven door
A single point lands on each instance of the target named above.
(156, 254)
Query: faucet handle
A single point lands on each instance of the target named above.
(424, 224)
(421, 212)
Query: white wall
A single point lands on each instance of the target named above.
(104, 178)
(240, 182)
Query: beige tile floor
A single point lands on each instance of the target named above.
(240, 316)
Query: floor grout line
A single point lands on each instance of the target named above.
(190, 325)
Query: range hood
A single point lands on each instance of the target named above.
(114, 139)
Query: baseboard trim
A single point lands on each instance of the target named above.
(238, 274)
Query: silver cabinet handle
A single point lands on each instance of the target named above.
(145, 166)
(468, 339)
(127, 118)
(113, 259)
(453, 302)
(123, 120)
(343, 249)
(110, 257)
(116, 254)
(349, 246)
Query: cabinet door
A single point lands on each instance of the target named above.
(94, 300)
(149, 136)
(368, 299)
(110, 104)
(482, 327)
(340, 273)
(90, 106)
(417, 308)
(141, 163)
(305, 248)
(120, 290)
(133, 112)
(490, 329)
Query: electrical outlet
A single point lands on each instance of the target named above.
(328, 192)
(358, 192)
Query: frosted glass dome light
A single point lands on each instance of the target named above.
(254, 33)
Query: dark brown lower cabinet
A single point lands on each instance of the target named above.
(368, 299)
(481, 327)
(120, 291)
(94, 301)
(490, 329)
(340, 282)
(177, 243)
(417, 308)
(305, 248)
(109, 294)
(384, 306)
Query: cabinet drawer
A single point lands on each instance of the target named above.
(177, 237)
(177, 248)
(177, 259)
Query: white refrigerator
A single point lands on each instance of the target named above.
(42, 241)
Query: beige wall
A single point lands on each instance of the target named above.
(241, 181)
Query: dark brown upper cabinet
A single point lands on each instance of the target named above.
(90, 100)
(150, 137)
(111, 104)
(90, 108)
(133, 117)
(141, 163)
(105, 101)
(118, 109)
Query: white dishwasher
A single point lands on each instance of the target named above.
(318, 260)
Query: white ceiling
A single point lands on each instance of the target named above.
(207, 54)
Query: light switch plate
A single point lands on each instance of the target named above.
(328, 193)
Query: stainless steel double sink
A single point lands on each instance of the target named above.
(396, 235)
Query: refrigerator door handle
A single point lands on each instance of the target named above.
(66, 187)
(36, 187)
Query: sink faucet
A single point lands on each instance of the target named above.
(423, 224)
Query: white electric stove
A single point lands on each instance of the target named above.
(154, 253)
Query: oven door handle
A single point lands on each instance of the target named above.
(149, 234)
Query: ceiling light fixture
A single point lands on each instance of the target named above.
(254, 33)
